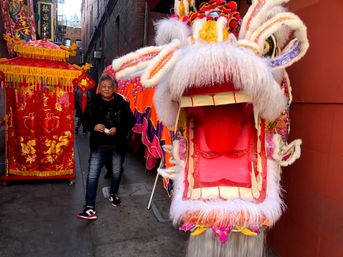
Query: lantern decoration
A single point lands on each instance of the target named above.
(39, 86)
(84, 83)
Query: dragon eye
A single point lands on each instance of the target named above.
(269, 47)
(213, 14)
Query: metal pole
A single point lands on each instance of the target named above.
(153, 191)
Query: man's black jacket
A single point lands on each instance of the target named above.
(114, 113)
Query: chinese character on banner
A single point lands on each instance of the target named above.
(46, 21)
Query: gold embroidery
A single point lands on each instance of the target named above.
(29, 147)
(56, 147)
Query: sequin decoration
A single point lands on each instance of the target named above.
(288, 57)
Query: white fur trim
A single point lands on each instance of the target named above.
(177, 6)
(166, 108)
(221, 24)
(249, 45)
(257, 14)
(267, 12)
(169, 29)
(271, 207)
(170, 173)
(294, 149)
(197, 25)
(186, 5)
(138, 68)
(171, 49)
(277, 23)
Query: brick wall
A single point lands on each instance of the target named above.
(124, 30)
(112, 27)
(73, 34)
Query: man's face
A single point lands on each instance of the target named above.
(107, 89)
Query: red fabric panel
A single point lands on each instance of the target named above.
(18, 19)
(40, 132)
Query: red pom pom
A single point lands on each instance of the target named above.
(233, 23)
(232, 5)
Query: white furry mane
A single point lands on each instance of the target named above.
(169, 29)
(202, 65)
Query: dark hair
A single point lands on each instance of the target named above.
(108, 77)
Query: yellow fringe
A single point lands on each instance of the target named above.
(246, 231)
(41, 53)
(50, 76)
(198, 231)
(41, 173)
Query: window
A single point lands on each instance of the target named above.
(67, 42)
(78, 43)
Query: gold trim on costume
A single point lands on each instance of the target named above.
(41, 173)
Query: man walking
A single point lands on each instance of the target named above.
(108, 118)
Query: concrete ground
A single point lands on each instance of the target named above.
(37, 218)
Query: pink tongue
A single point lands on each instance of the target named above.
(222, 126)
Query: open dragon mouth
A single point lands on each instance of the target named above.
(225, 142)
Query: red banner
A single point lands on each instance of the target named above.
(40, 131)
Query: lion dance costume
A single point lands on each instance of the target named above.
(220, 83)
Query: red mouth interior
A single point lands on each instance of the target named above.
(224, 145)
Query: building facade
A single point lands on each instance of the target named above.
(113, 28)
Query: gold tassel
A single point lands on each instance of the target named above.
(41, 53)
(41, 173)
(32, 75)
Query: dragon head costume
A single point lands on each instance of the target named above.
(220, 83)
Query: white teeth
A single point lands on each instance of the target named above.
(213, 100)
(221, 24)
(254, 184)
(197, 27)
(209, 193)
(256, 119)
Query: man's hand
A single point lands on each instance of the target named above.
(99, 128)
(112, 131)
